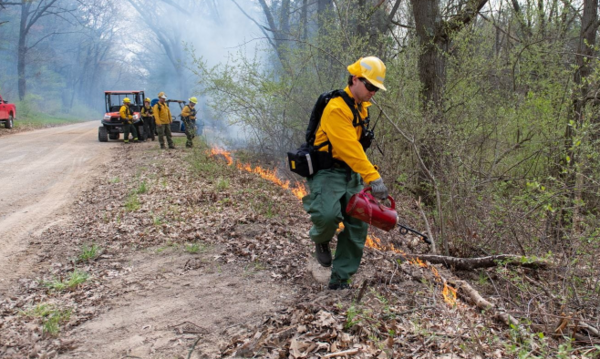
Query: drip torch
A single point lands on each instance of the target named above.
(365, 207)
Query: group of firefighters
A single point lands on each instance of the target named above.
(157, 119)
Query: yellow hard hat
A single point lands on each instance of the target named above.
(162, 95)
(371, 68)
(193, 100)
(147, 99)
(126, 100)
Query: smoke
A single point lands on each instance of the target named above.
(147, 48)
(212, 31)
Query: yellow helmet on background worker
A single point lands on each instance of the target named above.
(370, 68)
(162, 95)
(193, 100)
(126, 100)
(147, 99)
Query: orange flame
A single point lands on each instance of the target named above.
(449, 294)
(219, 151)
(298, 189)
(374, 242)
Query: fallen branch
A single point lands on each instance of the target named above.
(474, 297)
(482, 262)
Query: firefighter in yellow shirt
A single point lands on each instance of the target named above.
(342, 129)
(148, 119)
(163, 119)
(188, 114)
(127, 119)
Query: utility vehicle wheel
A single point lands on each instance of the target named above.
(102, 134)
(9, 123)
(113, 136)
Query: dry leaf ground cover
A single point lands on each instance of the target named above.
(176, 254)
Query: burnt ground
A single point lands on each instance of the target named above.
(175, 254)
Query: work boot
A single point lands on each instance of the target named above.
(323, 254)
(162, 147)
(135, 140)
(171, 147)
(339, 286)
(125, 141)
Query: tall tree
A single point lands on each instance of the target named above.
(582, 97)
(32, 12)
(434, 35)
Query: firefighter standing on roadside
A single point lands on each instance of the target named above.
(162, 116)
(127, 119)
(148, 118)
(331, 189)
(188, 114)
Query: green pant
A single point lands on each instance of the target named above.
(164, 130)
(326, 204)
(190, 131)
(129, 127)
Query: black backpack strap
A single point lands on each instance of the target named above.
(358, 121)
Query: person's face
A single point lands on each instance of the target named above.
(192, 104)
(364, 90)
(162, 100)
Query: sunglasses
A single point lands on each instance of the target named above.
(368, 85)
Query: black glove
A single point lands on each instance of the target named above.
(378, 189)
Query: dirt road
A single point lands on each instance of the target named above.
(41, 172)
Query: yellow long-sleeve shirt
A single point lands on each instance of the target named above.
(162, 114)
(188, 112)
(125, 113)
(146, 111)
(337, 128)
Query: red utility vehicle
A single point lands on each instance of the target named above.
(8, 112)
(112, 125)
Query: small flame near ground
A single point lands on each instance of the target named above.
(297, 189)
(215, 151)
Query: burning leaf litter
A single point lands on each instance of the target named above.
(298, 189)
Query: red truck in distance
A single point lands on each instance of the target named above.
(8, 112)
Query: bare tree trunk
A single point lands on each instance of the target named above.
(585, 54)
(28, 19)
(324, 8)
(22, 50)
(304, 20)
(432, 64)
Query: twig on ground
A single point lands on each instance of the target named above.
(193, 347)
(362, 290)
(427, 226)
(342, 353)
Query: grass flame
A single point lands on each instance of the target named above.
(298, 189)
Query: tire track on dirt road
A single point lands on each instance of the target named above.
(41, 172)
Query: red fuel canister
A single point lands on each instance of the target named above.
(365, 207)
